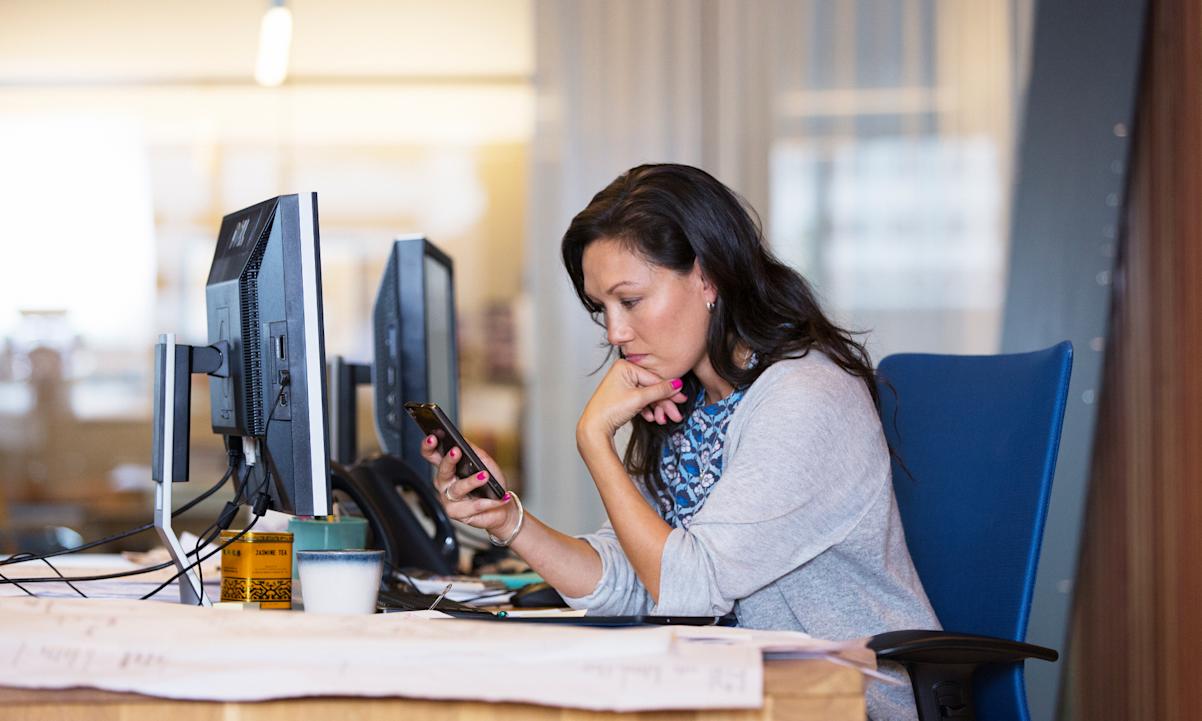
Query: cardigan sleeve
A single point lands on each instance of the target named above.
(619, 592)
(804, 465)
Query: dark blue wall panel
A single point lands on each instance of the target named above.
(1066, 216)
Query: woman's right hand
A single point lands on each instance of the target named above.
(487, 514)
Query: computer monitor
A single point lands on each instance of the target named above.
(266, 362)
(416, 352)
(264, 299)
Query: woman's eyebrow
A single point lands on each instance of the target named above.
(612, 288)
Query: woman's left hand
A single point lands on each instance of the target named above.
(626, 390)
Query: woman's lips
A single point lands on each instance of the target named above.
(636, 358)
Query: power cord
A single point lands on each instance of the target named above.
(25, 556)
(133, 531)
(6, 579)
(393, 572)
(262, 500)
(29, 556)
(491, 594)
(213, 531)
(223, 522)
(260, 508)
(98, 577)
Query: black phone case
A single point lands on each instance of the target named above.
(434, 422)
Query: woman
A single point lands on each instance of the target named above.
(757, 477)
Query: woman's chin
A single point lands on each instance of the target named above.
(669, 373)
(656, 366)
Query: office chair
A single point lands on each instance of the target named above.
(975, 440)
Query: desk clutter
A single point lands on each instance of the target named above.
(401, 591)
(186, 652)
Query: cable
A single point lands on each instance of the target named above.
(227, 515)
(406, 577)
(30, 556)
(491, 594)
(285, 381)
(208, 555)
(115, 536)
(201, 541)
(214, 530)
(6, 579)
(260, 508)
(25, 557)
(98, 577)
(125, 534)
(223, 522)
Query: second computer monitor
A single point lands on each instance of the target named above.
(416, 353)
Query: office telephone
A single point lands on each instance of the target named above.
(374, 486)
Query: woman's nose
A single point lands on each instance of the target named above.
(618, 333)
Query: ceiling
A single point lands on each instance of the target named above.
(73, 42)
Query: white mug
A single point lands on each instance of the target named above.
(339, 581)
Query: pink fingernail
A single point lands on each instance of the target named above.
(505, 497)
(429, 440)
(454, 452)
(677, 383)
(481, 476)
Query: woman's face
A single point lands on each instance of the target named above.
(655, 316)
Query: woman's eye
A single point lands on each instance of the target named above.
(630, 303)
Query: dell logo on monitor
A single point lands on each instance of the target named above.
(239, 236)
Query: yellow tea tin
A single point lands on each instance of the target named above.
(257, 568)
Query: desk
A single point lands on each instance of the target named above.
(793, 691)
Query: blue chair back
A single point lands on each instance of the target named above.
(975, 440)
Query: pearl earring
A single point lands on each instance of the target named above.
(710, 305)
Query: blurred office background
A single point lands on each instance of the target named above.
(874, 137)
(128, 129)
(877, 139)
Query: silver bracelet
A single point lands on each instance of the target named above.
(513, 534)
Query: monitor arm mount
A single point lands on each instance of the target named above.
(174, 365)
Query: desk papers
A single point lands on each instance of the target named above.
(187, 652)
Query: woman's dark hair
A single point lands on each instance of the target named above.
(673, 215)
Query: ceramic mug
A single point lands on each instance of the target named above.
(312, 534)
(345, 581)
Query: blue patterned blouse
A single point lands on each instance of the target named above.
(691, 462)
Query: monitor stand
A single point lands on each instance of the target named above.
(191, 592)
(174, 365)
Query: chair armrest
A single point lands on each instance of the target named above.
(955, 648)
(941, 665)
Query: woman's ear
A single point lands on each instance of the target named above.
(707, 288)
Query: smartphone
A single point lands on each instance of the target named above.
(434, 422)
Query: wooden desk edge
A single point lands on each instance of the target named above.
(793, 691)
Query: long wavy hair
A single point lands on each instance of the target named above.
(673, 215)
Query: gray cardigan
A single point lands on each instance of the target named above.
(800, 533)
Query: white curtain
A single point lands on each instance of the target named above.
(620, 83)
(872, 136)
